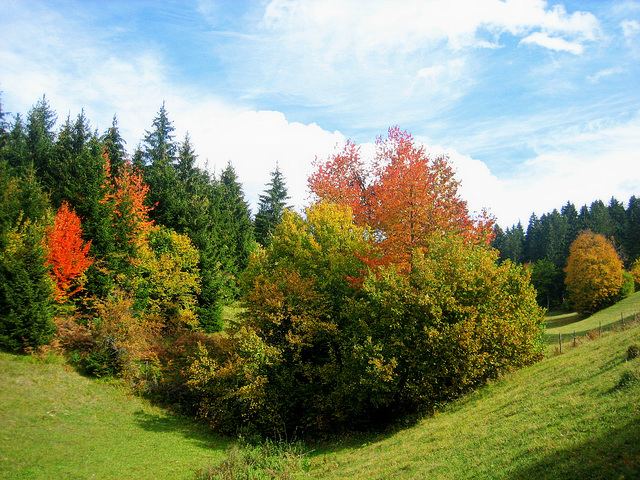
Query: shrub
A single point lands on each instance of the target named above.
(633, 352)
(628, 285)
(327, 347)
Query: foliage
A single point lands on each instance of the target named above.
(165, 279)
(268, 460)
(635, 273)
(271, 208)
(68, 255)
(325, 345)
(628, 286)
(26, 289)
(594, 273)
(405, 197)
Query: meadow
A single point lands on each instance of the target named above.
(573, 415)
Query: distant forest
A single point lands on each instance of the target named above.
(545, 243)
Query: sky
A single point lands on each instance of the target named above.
(535, 103)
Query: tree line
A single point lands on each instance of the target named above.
(382, 300)
(545, 245)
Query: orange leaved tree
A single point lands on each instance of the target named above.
(594, 273)
(68, 254)
(405, 196)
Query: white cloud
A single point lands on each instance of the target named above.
(607, 72)
(630, 28)
(554, 43)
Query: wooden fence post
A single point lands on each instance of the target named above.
(560, 341)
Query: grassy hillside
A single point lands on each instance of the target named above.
(572, 322)
(57, 424)
(572, 416)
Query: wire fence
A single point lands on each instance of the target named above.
(571, 338)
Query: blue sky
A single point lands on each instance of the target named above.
(536, 103)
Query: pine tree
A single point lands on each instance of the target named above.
(40, 136)
(271, 208)
(234, 235)
(114, 146)
(159, 155)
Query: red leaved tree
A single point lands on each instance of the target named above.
(405, 196)
(126, 194)
(68, 253)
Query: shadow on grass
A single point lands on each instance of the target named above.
(614, 455)
(198, 433)
(561, 319)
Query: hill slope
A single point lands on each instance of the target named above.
(567, 417)
(55, 423)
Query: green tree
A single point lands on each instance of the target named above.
(633, 228)
(234, 231)
(113, 143)
(26, 289)
(40, 136)
(594, 273)
(273, 203)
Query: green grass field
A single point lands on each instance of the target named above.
(571, 416)
(567, 323)
(567, 417)
(56, 424)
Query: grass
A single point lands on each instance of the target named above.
(572, 416)
(55, 423)
(567, 323)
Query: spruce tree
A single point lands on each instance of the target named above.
(273, 203)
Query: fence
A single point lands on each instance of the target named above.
(572, 337)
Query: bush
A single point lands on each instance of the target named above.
(327, 347)
(628, 285)
(633, 352)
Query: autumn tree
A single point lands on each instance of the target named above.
(594, 273)
(68, 254)
(404, 197)
(319, 352)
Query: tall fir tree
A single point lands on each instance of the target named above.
(40, 136)
(114, 146)
(273, 203)
(235, 233)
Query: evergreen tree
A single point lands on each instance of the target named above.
(40, 136)
(159, 155)
(159, 146)
(234, 230)
(15, 148)
(26, 291)
(114, 146)
(633, 228)
(271, 208)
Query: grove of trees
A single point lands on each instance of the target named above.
(382, 300)
(545, 245)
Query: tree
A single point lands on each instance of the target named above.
(234, 232)
(114, 146)
(26, 290)
(68, 254)
(405, 197)
(271, 208)
(319, 352)
(594, 273)
(40, 136)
